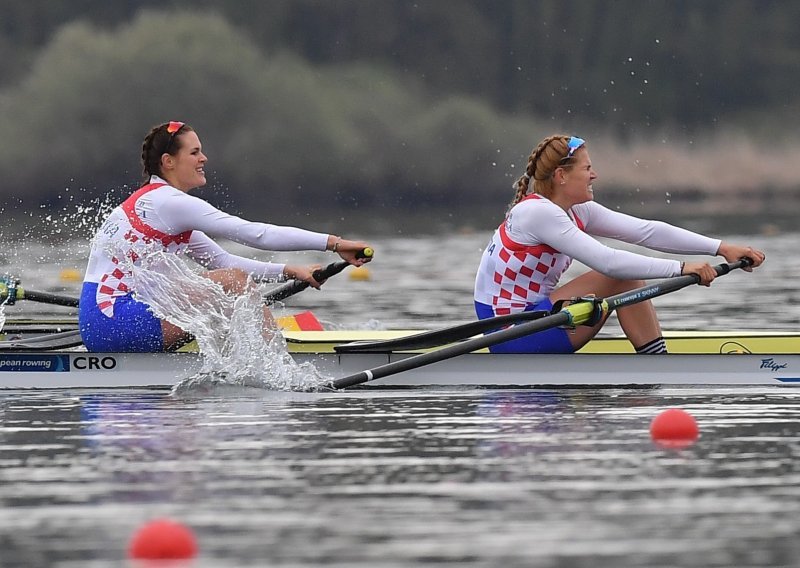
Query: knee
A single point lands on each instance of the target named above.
(627, 285)
(609, 285)
(235, 281)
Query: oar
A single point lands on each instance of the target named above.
(437, 337)
(578, 313)
(320, 275)
(14, 293)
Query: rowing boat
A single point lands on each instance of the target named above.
(450, 356)
(715, 358)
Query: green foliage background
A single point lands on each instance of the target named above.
(376, 103)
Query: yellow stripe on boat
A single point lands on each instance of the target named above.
(683, 342)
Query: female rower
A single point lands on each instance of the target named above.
(162, 217)
(549, 224)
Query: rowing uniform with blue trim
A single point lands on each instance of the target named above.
(161, 218)
(538, 241)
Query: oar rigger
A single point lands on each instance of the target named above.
(8, 290)
(599, 309)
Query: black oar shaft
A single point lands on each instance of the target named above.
(571, 315)
(280, 293)
(320, 275)
(668, 285)
(435, 338)
(555, 320)
(574, 314)
(19, 293)
(47, 298)
(291, 288)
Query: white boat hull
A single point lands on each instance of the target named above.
(21, 370)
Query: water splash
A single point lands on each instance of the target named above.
(229, 330)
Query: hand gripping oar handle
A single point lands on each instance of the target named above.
(669, 285)
(11, 292)
(573, 314)
(320, 275)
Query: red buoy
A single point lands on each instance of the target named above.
(674, 428)
(163, 539)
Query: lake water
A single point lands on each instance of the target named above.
(411, 477)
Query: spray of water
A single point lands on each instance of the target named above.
(229, 330)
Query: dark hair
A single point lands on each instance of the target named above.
(158, 142)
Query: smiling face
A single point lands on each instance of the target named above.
(573, 185)
(185, 169)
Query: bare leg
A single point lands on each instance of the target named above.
(174, 337)
(233, 281)
(638, 321)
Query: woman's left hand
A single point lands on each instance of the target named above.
(349, 249)
(303, 274)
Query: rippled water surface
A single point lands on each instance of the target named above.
(427, 282)
(561, 478)
(402, 478)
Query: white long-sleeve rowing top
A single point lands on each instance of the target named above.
(538, 240)
(161, 217)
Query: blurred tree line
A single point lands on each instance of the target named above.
(372, 102)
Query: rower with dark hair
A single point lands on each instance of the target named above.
(163, 215)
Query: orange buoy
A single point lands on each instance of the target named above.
(360, 273)
(70, 275)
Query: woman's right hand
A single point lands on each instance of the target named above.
(704, 270)
(733, 252)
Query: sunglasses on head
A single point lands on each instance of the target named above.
(572, 145)
(172, 129)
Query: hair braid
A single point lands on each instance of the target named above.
(543, 161)
(158, 139)
(522, 184)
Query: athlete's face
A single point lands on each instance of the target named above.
(574, 185)
(186, 169)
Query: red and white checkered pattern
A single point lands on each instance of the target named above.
(520, 275)
(137, 238)
(513, 275)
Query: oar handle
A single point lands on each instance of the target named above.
(743, 262)
(320, 275)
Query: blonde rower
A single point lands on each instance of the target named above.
(552, 220)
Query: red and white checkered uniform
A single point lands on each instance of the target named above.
(159, 217)
(538, 240)
(115, 280)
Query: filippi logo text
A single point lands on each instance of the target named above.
(771, 365)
